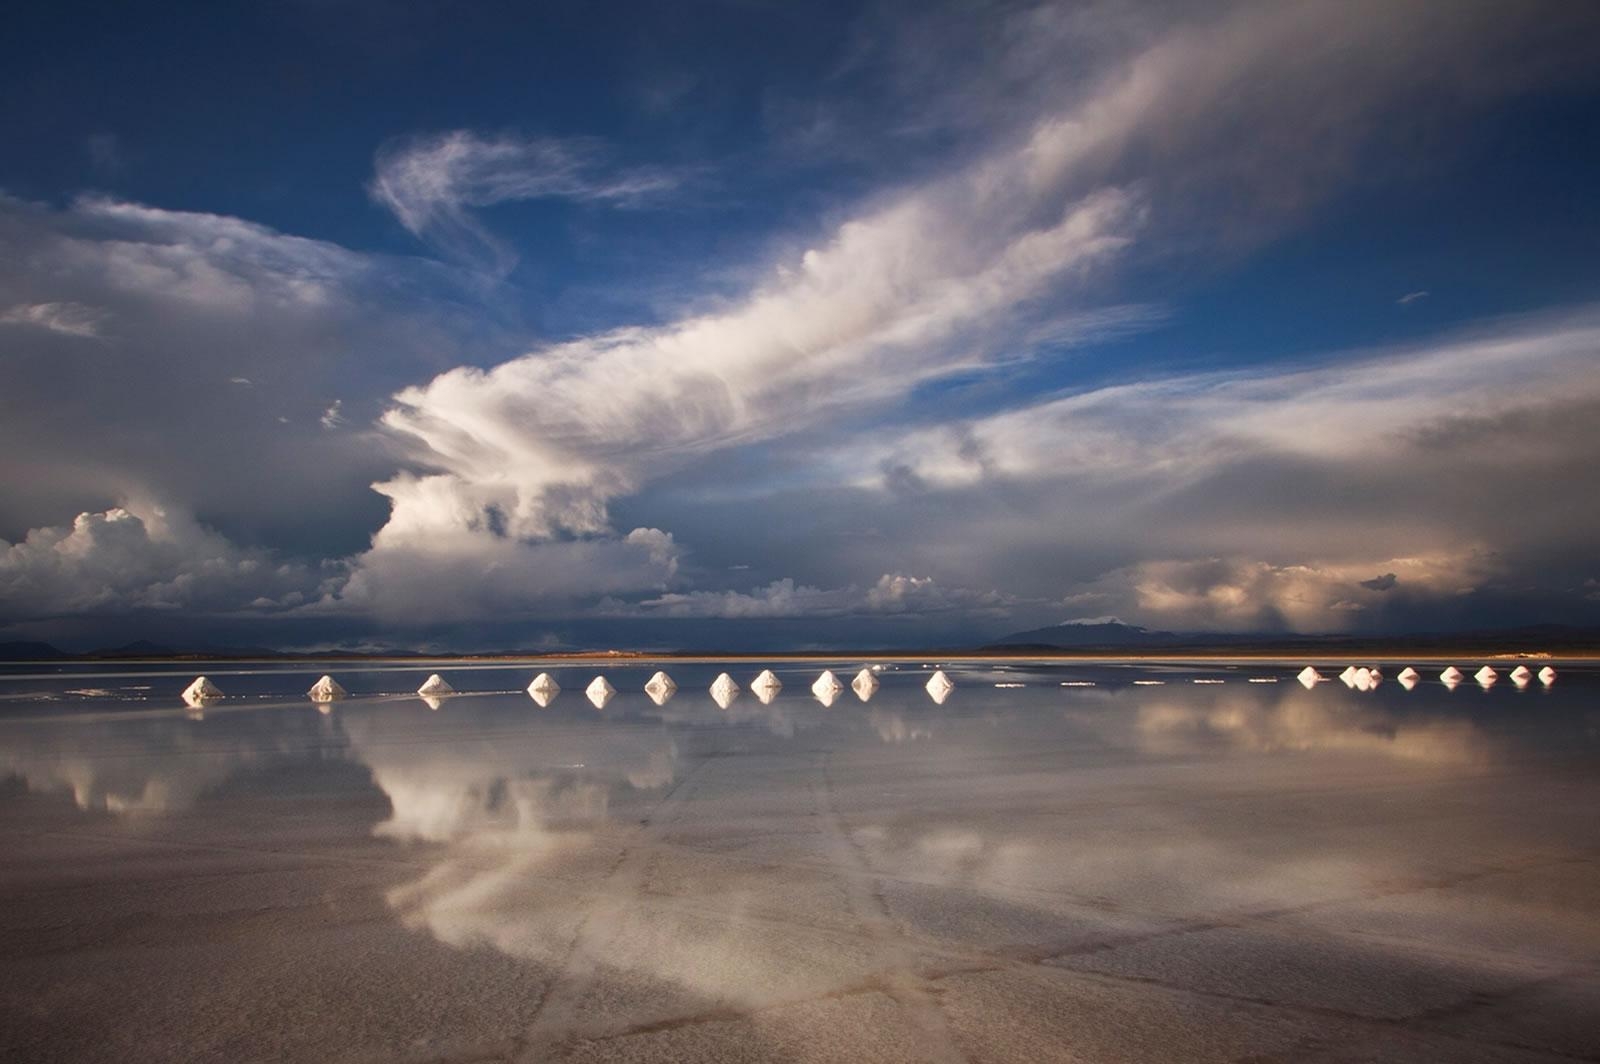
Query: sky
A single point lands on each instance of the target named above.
(736, 324)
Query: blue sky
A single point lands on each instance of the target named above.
(746, 324)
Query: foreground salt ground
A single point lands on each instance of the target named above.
(1108, 873)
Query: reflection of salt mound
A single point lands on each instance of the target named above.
(865, 685)
(939, 687)
(1547, 676)
(432, 701)
(1450, 676)
(724, 691)
(543, 689)
(600, 692)
(1309, 677)
(201, 691)
(1486, 676)
(436, 687)
(827, 688)
(327, 689)
(660, 688)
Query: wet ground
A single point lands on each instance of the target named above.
(1080, 868)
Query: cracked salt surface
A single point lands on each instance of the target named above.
(1049, 872)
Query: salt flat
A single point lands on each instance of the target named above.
(1113, 872)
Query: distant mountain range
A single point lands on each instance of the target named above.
(143, 649)
(1110, 637)
(1114, 635)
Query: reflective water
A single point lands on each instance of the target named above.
(1090, 866)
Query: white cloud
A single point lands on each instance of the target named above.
(433, 183)
(1244, 595)
(1178, 428)
(893, 593)
(331, 418)
(949, 275)
(69, 319)
(1412, 297)
(142, 557)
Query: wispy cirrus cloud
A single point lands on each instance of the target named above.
(434, 184)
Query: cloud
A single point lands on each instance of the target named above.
(1386, 582)
(1243, 595)
(182, 306)
(68, 319)
(1411, 297)
(803, 425)
(144, 557)
(893, 593)
(949, 275)
(432, 183)
(331, 418)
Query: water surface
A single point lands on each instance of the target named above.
(1078, 868)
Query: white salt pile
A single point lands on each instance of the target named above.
(827, 688)
(1450, 676)
(435, 687)
(543, 689)
(600, 692)
(1309, 677)
(201, 691)
(865, 685)
(939, 686)
(660, 688)
(327, 689)
(724, 691)
(1547, 676)
(1486, 676)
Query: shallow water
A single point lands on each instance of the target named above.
(1106, 871)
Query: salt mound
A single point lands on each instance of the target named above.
(1408, 673)
(435, 686)
(1408, 682)
(766, 681)
(865, 685)
(1547, 676)
(1309, 677)
(939, 686)
(1522, 674)
(201, 691)
(1451, 675)
(1348, 676)
(327, 689)
(660, 688)
(827, 688)
(600, 692)
(1486, 676)
(1362, 681)
(543, 689)
(724, 691)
